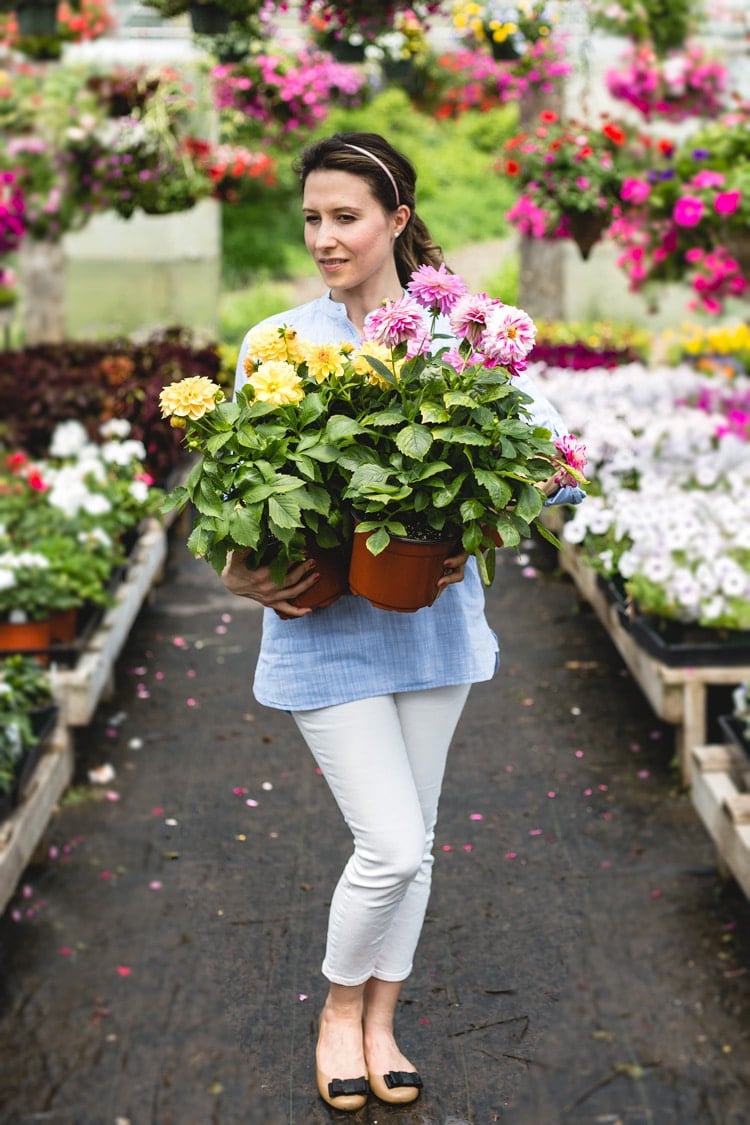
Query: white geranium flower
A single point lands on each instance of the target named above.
(115, 428)
(68, 439)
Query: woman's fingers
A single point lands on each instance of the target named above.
(260, 586)
(453, 570)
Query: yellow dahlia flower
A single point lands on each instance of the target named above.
(273, 341)
(189, 398)
(323, 361)
(276, 382)
(364, 368)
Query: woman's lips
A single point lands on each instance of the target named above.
(331, 264)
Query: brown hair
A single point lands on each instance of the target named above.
(415, 246)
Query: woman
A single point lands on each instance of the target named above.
(376, 695)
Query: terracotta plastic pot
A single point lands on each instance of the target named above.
(403, 577)
(333, 568)
(63, 625)
(333, 581)
(28, 636)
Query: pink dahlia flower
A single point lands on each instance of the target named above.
(436, 289)
(573, 453)
(469, 316)
(397, 322)
(508, 337)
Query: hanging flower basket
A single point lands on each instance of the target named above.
(209, 19)
(586, 228)
(39, 19)
(404, 576)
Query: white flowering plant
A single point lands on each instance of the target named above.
(410, 433)
(669, 516)
(62, 518)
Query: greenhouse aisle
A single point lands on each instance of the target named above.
(581, 962)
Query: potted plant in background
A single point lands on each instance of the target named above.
(686, 215)
(508, 29)
(569, 174)
(27, 717)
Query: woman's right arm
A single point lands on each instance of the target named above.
(260, 586)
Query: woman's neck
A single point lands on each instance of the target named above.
(365, 299)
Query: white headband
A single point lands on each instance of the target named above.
(385, 168)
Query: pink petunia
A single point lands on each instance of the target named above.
(688, 211)
(396, 322)
(436, 289)
(727, 202)
(509, 335)
(635, 191)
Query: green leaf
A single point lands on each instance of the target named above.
(460, 435)
(284, 511)
(382, 370)
(339, 427)
(433, 414)
(459, 398)
(499, 490)
(529, 502)
(208, 501)
(414, 441)
(471, 510)
(378, 541)
(245, 526)
(448, 493)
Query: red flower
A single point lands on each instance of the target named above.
(512, 167)
(615, 133)
(548, 115)
(666, 147)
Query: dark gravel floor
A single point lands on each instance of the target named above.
(582, 962)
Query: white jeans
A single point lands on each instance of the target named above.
(384, 760)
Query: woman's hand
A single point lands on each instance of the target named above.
(260, 586)
(453, 570)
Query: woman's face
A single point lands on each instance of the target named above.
(347, 232)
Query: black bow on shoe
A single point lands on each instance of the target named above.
(342, 1087)
(396, 1078)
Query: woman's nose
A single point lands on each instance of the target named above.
(325, 234)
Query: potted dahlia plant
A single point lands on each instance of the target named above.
(401, 438)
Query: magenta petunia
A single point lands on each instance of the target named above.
(727, 202)
(469, 316)
(688, 211)
(509, 335)
(397, 322)
(436, 289)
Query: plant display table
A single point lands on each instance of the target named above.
(79, 689)
(21, 832)
(678, 694)
(723, 807)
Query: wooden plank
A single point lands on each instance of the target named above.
(80, 689)
(714, 796)
(21, 832)
(677, 694)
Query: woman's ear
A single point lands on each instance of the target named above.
(401, 217)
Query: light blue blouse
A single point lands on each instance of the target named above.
(351, 650)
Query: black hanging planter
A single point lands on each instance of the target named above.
(209, 19)
(38, 19)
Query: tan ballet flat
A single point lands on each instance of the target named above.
(397, 1087)
(342, 1093)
